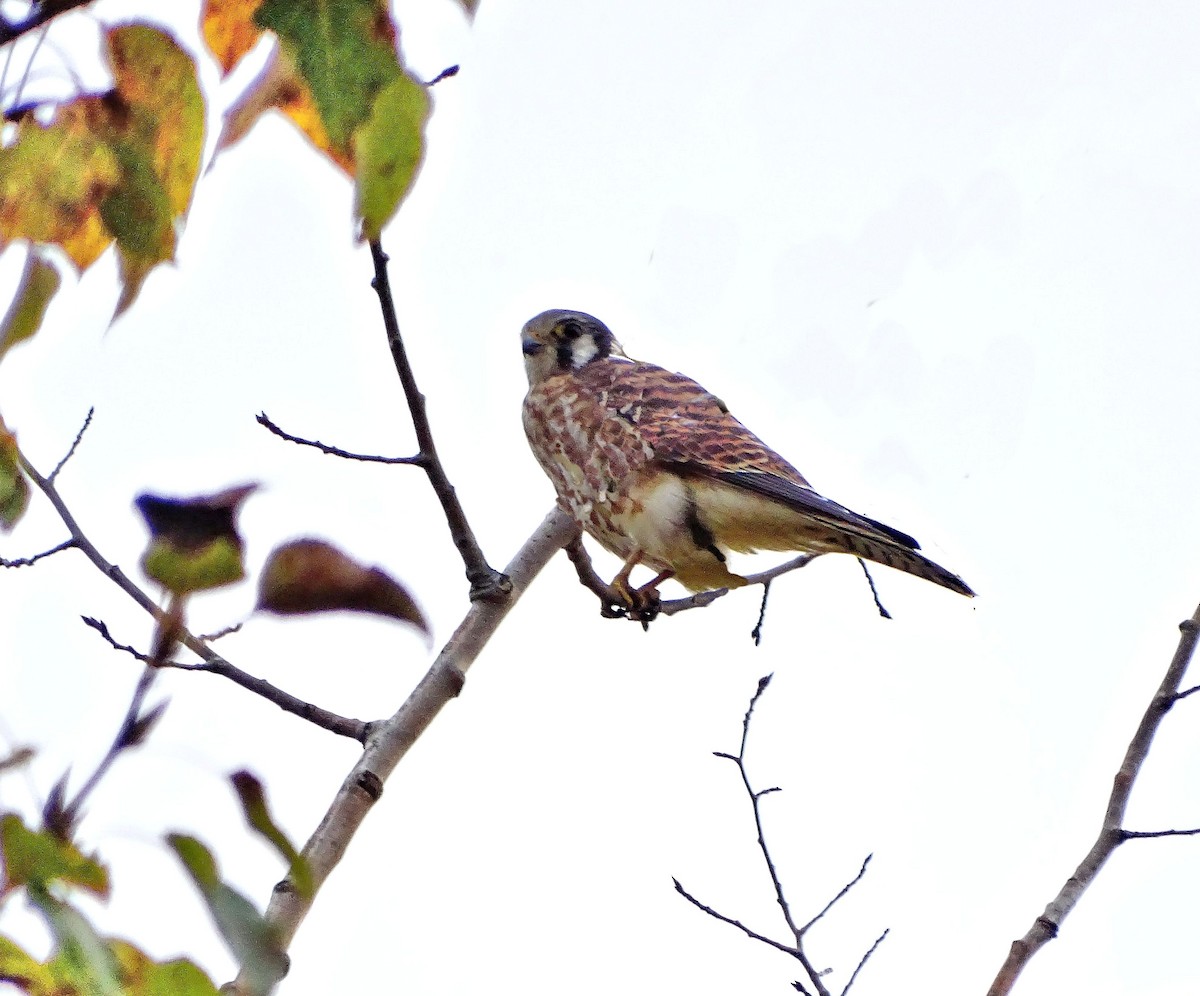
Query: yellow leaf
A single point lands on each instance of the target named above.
(53, 179)
(230, 31)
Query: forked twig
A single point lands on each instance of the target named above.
(211, 661)
(816, 978)
(1112, 834)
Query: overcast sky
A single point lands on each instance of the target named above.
(941, 256)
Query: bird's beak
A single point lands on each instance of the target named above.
(530, 347)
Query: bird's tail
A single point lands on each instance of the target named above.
(903, 559)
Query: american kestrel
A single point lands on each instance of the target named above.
(657, 470)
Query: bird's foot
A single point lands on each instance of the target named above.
(639, 604)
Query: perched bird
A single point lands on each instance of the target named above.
(657, 470)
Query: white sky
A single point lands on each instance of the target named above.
(942, 257)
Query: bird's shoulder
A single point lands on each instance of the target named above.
(685, 424)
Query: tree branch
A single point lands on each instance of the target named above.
(798, 932)
(212, 661)
(41, 13)
(261, 419)
(390, 740)
(486, 582)
(1045, 927)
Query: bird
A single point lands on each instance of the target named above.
(657, 470)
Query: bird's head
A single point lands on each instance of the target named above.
(557, 341)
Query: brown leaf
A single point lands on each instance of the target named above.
(310, 575)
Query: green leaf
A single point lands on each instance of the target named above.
(254, 805)
(141, 976)
(83, 957)
(14, 489)
(21, 968)
(37, 857)
(388, 150)
(39, 283)
(344, 49)
(253, 941)
(194, 543)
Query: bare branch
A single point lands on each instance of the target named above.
(212, 661)
(612, 604)
(445, 74)
(60, 816)
(786, 949)
(796, 949)
(756, 633)
(874, 591)
(1149, 834)
(215, 664)
(41, 13)
(703, 598)
(68, 544)
(845, 888)
(264, 421)
(87, 421)
(390, 740)
(863, 960)
(486, 582)
(1111, 835)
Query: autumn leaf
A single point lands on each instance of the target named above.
(337, 76)
(38, 857)
(310, 575)
(345, 50)
(194, 543)
(230, 30)
(279, 86)
(53, 179)
(119, 166)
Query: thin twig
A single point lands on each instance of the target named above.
(445, 74)
(213, 662)
(716, 914)
(1150, 834)
(264, 421)
(486, 582)
(863, 960)
(845, 888)
(67, 544)
(756, 633)
(74, 446)
(60, 817)
(1111, 835)
(612, 604)
(795, 949)
(874, 591)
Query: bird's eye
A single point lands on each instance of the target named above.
(571, 329)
